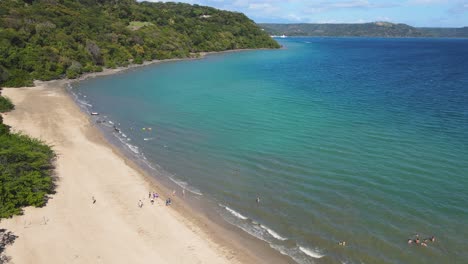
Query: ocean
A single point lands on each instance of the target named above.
(363, 140)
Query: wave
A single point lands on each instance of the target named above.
(186, 186)
(311, 253)
(273, 233)
(234, 213)
(147, 163)
(84, 104)
(131, 147)
(298, 253)
(294, 253)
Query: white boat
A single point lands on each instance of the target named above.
(283, 36)
(94, 113)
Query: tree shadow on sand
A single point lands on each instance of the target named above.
(6, 238)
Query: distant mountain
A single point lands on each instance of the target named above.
(375, 29)
(446, 32)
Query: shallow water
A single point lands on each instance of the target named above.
(361, 140)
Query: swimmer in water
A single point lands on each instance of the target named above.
(258, 199)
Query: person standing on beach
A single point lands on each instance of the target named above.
(140, 204)
(94, 200)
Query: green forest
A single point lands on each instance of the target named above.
(52, 39)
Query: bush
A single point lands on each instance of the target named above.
(138, 60)
(25, 173)
(5, 104)
(74, 70)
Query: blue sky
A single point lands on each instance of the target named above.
(420, 13)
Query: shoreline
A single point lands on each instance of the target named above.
(215, 242)
(110, 71)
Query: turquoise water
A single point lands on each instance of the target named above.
(356, 140)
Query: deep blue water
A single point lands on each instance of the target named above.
(343, 139)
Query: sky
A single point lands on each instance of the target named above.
(418, 13)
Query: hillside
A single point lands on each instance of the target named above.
(446, 32)
(50, 39)
(375, 29)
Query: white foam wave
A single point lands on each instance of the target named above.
(133, 148)
(147, 139)
(235, 213)
(83, 103)
(273, 233)
(280, 249)
(295, 253)
(148, 164)
(186, 186)
(106, 124)
(311, 253)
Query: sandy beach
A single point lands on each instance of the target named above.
(71, 229)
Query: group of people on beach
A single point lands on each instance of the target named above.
(423, 243)
(153, 196)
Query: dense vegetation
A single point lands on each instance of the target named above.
(50, 39)
(25, 171)
(376, 29)
(5, 104)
